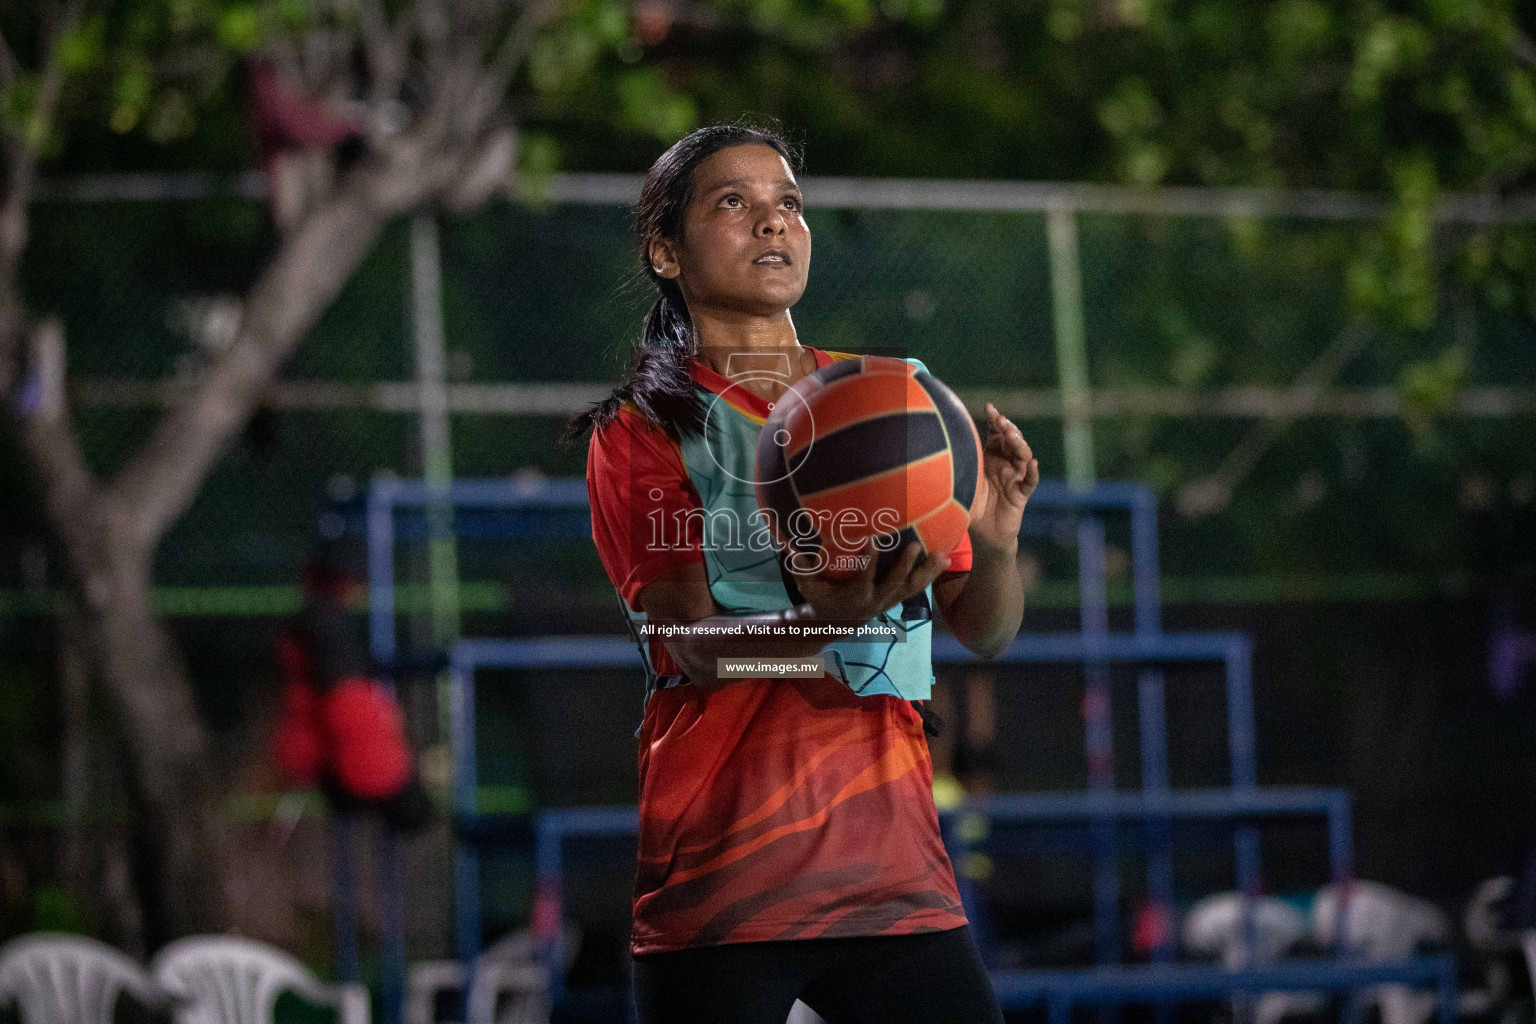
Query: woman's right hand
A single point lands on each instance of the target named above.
(862, 596)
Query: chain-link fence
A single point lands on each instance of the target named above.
(1198, 326)
(1187, 318)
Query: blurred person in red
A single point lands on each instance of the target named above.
(341, 729)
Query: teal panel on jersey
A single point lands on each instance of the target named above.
(742, 559)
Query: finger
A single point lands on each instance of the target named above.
(1014, 451)
(927, 562)
(868, 566)
(1012, 435)
(893, 586)
(1028, 485)
(1010, 462)
(1011, 451)
(903, 567)
(930, 569)
(1032, 475)
(1003, 469)
(1005, 437)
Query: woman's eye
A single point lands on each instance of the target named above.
(792, 202)
(731, 201)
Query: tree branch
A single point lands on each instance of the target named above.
(1213, 492)
(311, 268)
(432, 24)
(384, 51)
(1523, 49)
(492, 85)
(21, 170)
(8, 66)
(20, 163)
(69, 488)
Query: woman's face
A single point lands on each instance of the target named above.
(745, 246)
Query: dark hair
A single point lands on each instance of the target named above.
(657, 380)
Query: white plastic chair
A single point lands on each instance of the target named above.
(511, 984)
(68, 979)
(802, 1014)
(1214, 927)
(1384, 925)
(524, 983)
(223, 979)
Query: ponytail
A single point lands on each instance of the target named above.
(657, 381)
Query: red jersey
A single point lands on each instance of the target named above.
(769, 809)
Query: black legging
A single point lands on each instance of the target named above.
(931, 978)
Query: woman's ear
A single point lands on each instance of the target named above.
(663, 258)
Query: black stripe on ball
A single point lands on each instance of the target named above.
(887, 559)
(779, 495)
(957, 424)
(867, 448)
(845, 368)
(790, 586)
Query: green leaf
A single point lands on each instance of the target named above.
(240, 28)
(186, 15)
(538, 157)
(1431, 386)
(16, 103)
(1146, 164)
(1389, 47)
(130, 95)
(80, 50)
(559, 60)
(609, 24)
(1298, 26)
(1065, 20)
(922, 13)
(1129, 108)
(172, 118)
(646, 104)
(293, 14)
(1520, 86)
(55, 910)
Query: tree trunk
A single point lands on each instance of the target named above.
(180, 839)
(110, 531)
(173, 790)
(74, 691)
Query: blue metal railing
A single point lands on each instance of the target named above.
(538, 509)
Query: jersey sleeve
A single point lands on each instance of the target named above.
(960, 558)
(641, 498)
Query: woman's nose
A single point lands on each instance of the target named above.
(773, 224)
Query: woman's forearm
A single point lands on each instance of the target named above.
(986, 614)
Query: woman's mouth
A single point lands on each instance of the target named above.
(773, 258)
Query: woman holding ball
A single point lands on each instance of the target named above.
(789, 845)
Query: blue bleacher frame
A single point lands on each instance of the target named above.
(1061, 990)
(542, 509)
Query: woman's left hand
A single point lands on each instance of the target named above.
(1010, 474)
